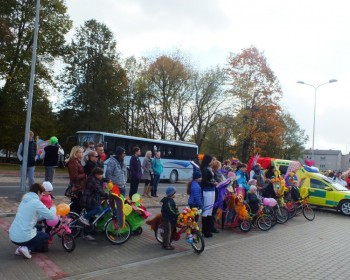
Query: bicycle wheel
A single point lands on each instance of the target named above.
(115, 234)
(75, 226)
(292, 211)
(245, 226)
(281, 215)
(308, 213)
(264, 222)
(68, 242)
(158, 233)
(299, 209)
(197, 242)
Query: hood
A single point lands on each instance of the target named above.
(29, 196)
(165, 199)
(118, 151)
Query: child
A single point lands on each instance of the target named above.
(194, 191)
(46, 198)
(253, 200)
(169, 215)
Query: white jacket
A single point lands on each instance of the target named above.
(29, 211)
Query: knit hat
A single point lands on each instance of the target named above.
(253, 188)
(53, 140)
(170, 191)
(252, 182)
(119, 151)
(196, 174)
(48, 186)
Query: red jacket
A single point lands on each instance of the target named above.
(77, 177)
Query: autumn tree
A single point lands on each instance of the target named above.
(210, 100)
(93, 82)
(167, 97)
(16, 40)
(257, 94)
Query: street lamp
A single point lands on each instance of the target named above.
(313, 132)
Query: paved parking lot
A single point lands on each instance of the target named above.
(298, 249)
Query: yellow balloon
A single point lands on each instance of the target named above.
(136, 197)
(62, 209)
(127, 209)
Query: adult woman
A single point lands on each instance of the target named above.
(218, 177)
(77, 177)
(91, 197)
(23, 231)
(208, 187)
(269, 191)
(157, 167)
(147, 174)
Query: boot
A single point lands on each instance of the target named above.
(212, 225)
(148, 192)
(145, 190)
(205, 227)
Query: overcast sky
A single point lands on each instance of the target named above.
(305, 40)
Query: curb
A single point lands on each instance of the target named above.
(4, 215)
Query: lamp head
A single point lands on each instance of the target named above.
(300, 82)
(333, 81)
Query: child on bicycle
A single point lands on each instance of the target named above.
(170, 214)
(253, 200)
(194, 191)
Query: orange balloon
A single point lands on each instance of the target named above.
(62, 209)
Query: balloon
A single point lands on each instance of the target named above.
(116, 190)
(127, 209)
(62, 209)
(136, 197)
(266, 201)
(309, 162)
(53, 222)
(273, 202)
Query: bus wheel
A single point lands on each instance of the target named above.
(173, 177)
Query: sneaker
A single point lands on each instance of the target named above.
(88, 238)
(25, 252)
(17, 252)
(84, 221)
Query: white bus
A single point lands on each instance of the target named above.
(175, 155)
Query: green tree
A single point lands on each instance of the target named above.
(16, 40)
(93, 83)
(294, 138)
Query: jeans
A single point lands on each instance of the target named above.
(36, 243)
(49, 173)
(93, 212)
(134, 184)
(30, 175)
(155, 184)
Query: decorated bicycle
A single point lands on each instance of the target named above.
(186, 224)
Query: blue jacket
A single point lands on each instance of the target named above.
(242, 181)
(195, 198)
(29, 212)
(157, 166)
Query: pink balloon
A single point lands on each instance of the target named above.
(273, 202)
(266, 201)
(53, 222)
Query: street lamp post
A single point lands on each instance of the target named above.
(313, 130)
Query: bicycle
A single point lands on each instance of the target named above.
(261, 220)
(189, 226)
(63, 231)
(111, 221)
(279, 214)
(300, 206)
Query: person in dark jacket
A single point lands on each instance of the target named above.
(170, 214)
(135, 171)
(269, 191)
(51, 155)
(208, 185)
(91, 197)
(253, 200)
(91, 163)
(32, 151)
